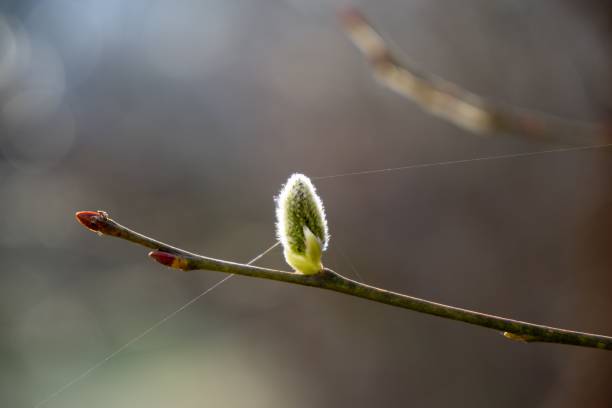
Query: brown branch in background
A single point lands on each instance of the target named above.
(98, 221)
(458, 106)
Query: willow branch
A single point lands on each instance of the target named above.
(456, 105)
(99, 222)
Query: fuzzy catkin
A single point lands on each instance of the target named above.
(301, 224)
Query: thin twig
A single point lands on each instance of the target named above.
(459, 106)
(99, 222)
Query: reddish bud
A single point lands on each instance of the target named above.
(350, 16)
(93, 220)
(163, 258)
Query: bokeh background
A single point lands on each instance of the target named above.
(183, 119)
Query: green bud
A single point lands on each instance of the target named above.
(301, 226)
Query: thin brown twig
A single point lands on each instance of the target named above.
(100, 222)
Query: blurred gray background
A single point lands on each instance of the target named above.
(183, 119)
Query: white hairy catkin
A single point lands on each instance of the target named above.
(301, 225)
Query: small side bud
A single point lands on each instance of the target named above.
(163, 258)
(169, 260)
(301, 226)
(522, 338)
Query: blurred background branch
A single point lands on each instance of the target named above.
(459, 106)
